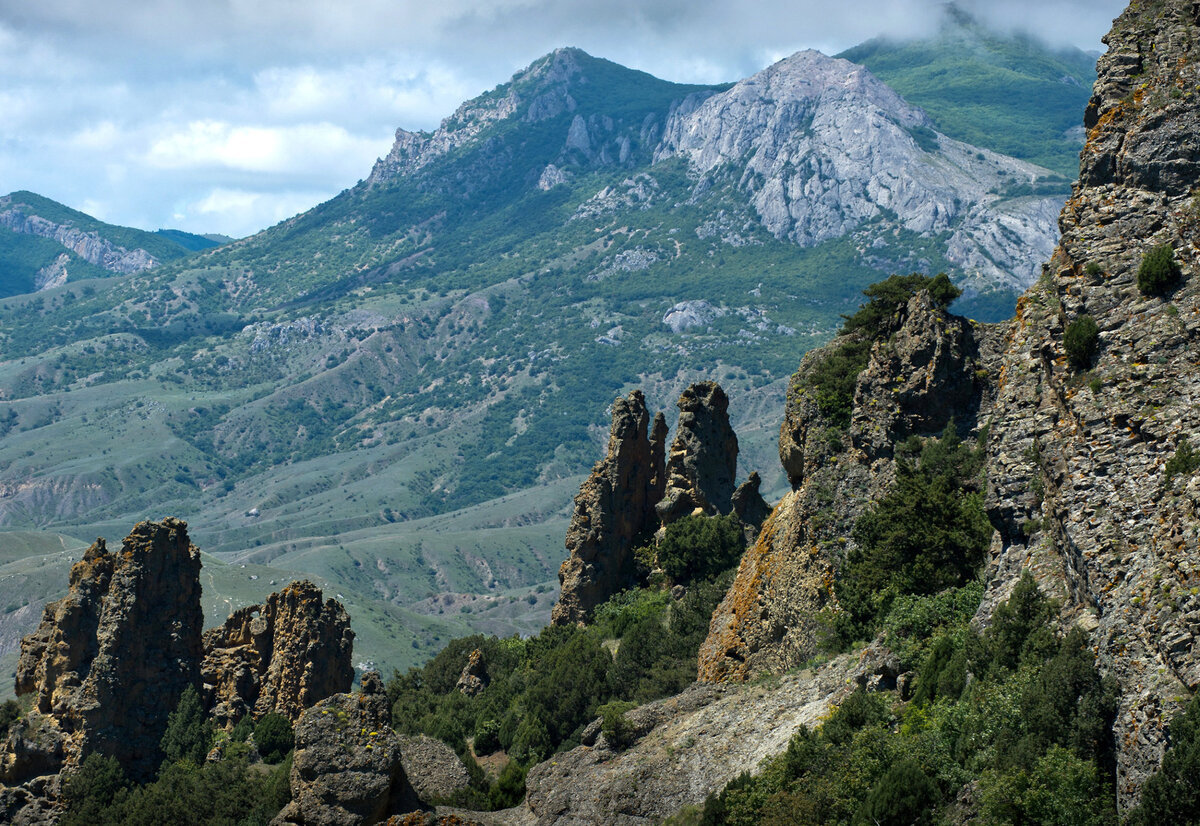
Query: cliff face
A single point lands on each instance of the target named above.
(1078, 460)
(110, 660)
(929, 370)
(281, 656)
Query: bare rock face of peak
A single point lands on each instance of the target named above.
(111, 659)
(87, 245)
(282, 656)
(614, 506)
(821, 146)
(702, 464)
(1078, 485)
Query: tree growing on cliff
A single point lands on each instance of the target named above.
(189, 732)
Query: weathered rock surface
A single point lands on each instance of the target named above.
(930, 369)
(87, 245)
(110, 660)
(474, 677)
(282, 656)
(686, 748)
(749, 504)
(432, 768)
(702, 465)
(346, 770)
(1078, 461)
(613, 507)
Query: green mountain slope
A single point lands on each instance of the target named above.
(1011, 94)
(398, 390)
(44, 242)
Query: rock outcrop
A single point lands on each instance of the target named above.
(346, 770)
(702, 464)
(1077, 485)
(87, 245)
(635, 490)
(474, 677)
(282, 656)
(111, 659)
(928, 369)
(613, 507)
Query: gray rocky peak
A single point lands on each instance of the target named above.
(820, 146)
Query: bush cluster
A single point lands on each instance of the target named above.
(1032, 726)
(928, 533)
(1080, 341)
(1159, 270)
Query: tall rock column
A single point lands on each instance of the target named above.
(614, 506)
(111, 659)
(702, 465)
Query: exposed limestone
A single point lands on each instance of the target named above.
(282, 656)
(87, 245)
(819, 146)
(474, 677)
(110, 660)
(1077, 461)
(928, 370)
(613, 507)
(686, 748)
(702, 464)
(346, 769)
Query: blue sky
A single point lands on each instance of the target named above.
(231, 115)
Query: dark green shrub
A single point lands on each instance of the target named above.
(1093, 268)
(927, 533)
(189, 732)
(943, 291)
(904, 796)
(1159, 270)
(509, 789)
(700, 546)
(274, 738)
(1080, 341)
(92, 788)
(242, 730)
(1184, 463)
(617, 729)
(10, 712)
(487, 737)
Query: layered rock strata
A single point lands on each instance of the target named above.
(1078, 488)
(282, 656)
(928, 368)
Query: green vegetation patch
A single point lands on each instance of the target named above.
(1026, 733)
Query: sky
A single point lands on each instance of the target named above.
(228, 116)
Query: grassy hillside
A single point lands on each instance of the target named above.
(1013, 95)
